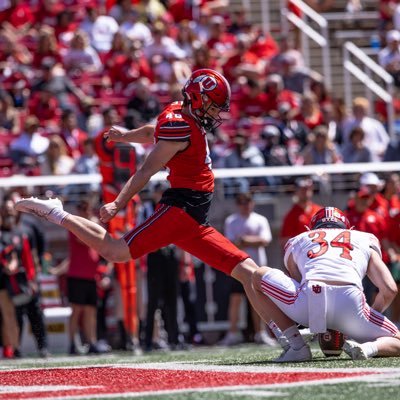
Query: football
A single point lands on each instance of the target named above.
(331, 343)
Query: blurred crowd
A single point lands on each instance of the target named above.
(67, 67)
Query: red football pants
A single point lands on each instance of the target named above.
(172, 225)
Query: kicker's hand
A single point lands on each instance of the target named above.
(108, 212)
(114, 135)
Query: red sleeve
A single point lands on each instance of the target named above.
(27, 259)
(177, 130)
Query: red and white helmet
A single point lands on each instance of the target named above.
(329, 217)
(202, 86)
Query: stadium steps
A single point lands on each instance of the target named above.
(359, 31)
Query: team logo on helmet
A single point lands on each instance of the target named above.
(207, 82)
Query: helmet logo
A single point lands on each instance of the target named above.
(207, 82)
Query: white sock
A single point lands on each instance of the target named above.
(280, 337)
(57, 216)
(294, 337)
(370, 349)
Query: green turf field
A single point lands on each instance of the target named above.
(379, 379)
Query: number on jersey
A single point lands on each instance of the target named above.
(341, 241)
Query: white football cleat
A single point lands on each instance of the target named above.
(354, 350)
(292, 355)
(39, 207)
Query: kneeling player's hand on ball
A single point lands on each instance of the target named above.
(107, 212)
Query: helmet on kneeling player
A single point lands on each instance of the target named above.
(329, 217)
(207, 93)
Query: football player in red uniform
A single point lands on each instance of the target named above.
(181, 217)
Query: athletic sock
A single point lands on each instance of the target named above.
(294, 337)
(57, 216)
(370, 349)
(280, 337)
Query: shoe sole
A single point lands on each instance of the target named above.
(354, 352)
(27, 206)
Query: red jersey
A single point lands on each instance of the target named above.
(83, 261)
(394, 229)
(191, 168)
(372, 222)
(297, 218)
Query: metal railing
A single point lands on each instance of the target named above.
(364, 75)
(321, 39)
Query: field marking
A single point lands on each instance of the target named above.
(42, 388)
(258, 393)
(372, 378)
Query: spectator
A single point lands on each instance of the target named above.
(202, 58)
(188, 293)
(134, 29)
(392, 245)
(391, 192)
(45, 107)
(332, 116)
(81, 57)
(143, 106)
(16, 15)
(119, 47)
(275, 154)
(54, 80)
(365, 219)
(129, 68)
(162, 45)
(150, 10)
(294, 78)
(47, 48)
(9, 326)
(57, 161)
(310, 112)
(82, 290)
(277, 95)
(299, 216)
(355, 151)
(220, 42)
(186, 38)
(321, 150)
(371, 183)
(162, 282)
(120, 10)
(23, 284)
(10, 118)
(392, 152)
(252, 101)
(28, 149)
(100, 29)
(250, 231)
(376, 136)
(243, 154)
(286, 49)
(66, 27)
(389, 57)
(243, 62)
(318, 88)
(263, 44)
(72, 135)
(49, 9)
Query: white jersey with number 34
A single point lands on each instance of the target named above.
(335, 255)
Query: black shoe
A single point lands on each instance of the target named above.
(73, 351)
(17, 353)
